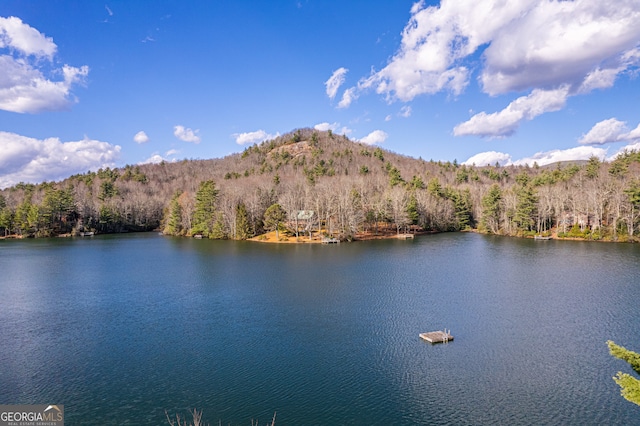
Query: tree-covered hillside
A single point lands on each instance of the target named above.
(352, 189)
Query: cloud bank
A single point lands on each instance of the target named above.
(551, 49)
(506, 122)
(24, 159)
(25, 55)
(253, 137)
(609, 131)
(541, 158)
(580, 153)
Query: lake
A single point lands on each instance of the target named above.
(121, 328)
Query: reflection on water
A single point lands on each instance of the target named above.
(121, 328)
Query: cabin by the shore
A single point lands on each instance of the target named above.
(302, 222)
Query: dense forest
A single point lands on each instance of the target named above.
(352, 189)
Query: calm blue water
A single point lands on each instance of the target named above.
(121, 328)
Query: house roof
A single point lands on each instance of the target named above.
(304, 214)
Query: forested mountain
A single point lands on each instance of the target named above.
(352, 189)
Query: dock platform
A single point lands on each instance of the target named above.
(327, 240)
(405, 236)
(437, 336)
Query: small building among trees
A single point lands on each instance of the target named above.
(302, 221)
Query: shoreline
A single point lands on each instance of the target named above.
(270, 238)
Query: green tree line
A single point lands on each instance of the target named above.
(352, 188)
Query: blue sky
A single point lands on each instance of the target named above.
(88, 84)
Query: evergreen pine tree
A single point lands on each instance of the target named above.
(5, 216)
(204, 209)
(273, 218)
(243, 229)
(412, 209)
(592, 168)
(462, 205)
(492, 208)
(22, 214)
(526, 208)
(174, 219)
(629, 385)
(218, 230)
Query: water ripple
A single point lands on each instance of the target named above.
(322, 335)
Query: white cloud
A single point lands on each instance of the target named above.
(335, 81)
(488, 158)
(633, 135)
(606, 131)
(581, 153)
(609, 131)
(631, 147)
(599, 79)
(375, 137)
(525, 45)
(24, 159)
(334, 127)
(156, 158)
(348, 96)
(15, 34)
(185, 134)
(405, 111)
(434, 43)
(24, 88)
(253, 137)
(323, 127)
(556, 42)
(388, 118)
(554, 156)
(141, 137)
(505, 122)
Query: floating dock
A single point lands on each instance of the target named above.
(437, 336)
(405, 236)
(326, 240)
